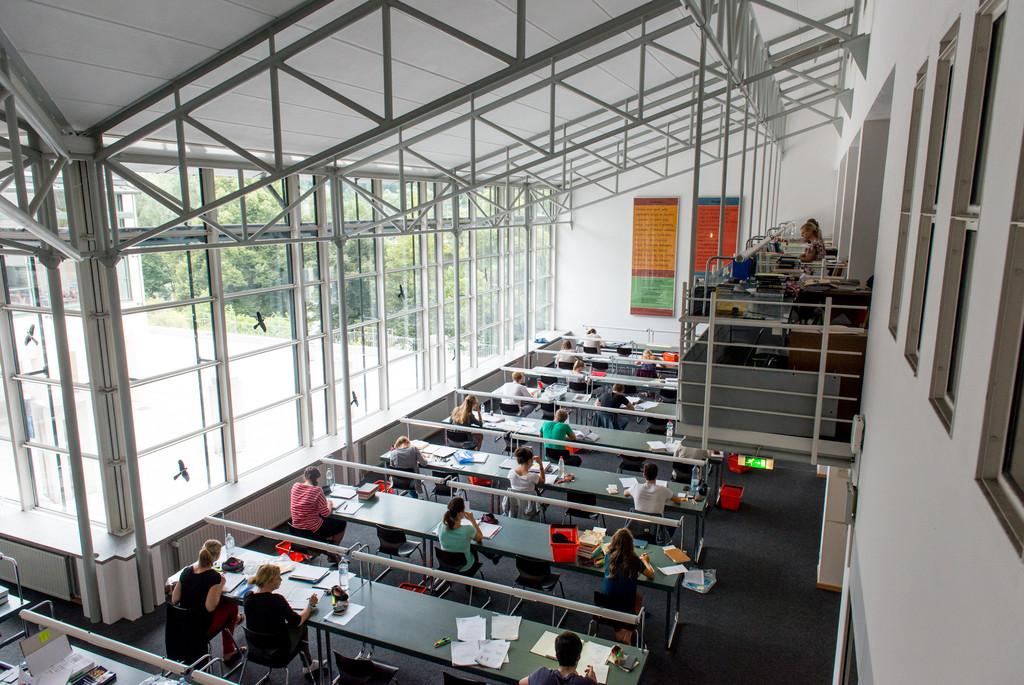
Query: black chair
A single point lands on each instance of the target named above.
(599, 366)
(403, 484)
(651, 533)
(547, 411)
(509, 408)
(549, 380)
(392, 542)
(564, 365)
(302, 533)
(630, 464)
(581, 498)
(270, 650)
(452, 679)
(624, 351)
(667, 395)
(452, 562)
(578, 386)
(355, 671)
(462, 439)
(615, 604)
(590, 349)
(442, 489)
(656, 426)
(185, 635)
(536, 575)
(553, 454)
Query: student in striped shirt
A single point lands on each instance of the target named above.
(311, 512)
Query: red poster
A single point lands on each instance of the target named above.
(707, 230)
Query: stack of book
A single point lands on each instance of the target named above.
(97, 675)
(366, 491)
(590, 549)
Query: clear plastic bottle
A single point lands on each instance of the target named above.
(670, 429)
(561, 467)
(343, 572)
(694, 479)
(330, 476)
(229, 544)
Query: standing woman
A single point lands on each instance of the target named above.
(270, 614)
(622, 567)
(200, 588)
(468, 414)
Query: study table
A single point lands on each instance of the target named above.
(9, 609)
(608, 379)
(517, 538)
(410, 622)
(586, 481)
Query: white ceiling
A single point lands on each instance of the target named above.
(95, 58)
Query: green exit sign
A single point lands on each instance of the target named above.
(765, 463)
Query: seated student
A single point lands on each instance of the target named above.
(565, 355)
(815, 250)
(568, 648)
(614, 399)
(592, 339)
(579, 368)
(406, 457)
(622, 567)
(268, 612)
(311, 512)
(199, 587)
(557, 430)
(517, 388)
(468, 414)
(647, 367)
(649, 497)
(522, 479)
(452, 536)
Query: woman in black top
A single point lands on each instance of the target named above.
(200, 588)
(269, 613)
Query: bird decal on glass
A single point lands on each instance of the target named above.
(355, 399)
(30, 337)
(401, 291)
(261, 323)
(182, 472)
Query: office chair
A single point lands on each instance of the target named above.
(265, 649)
(599, 366)
(589, 349)
(461, 439)
(581, 498)
(185, 634)
(630, 464)
(509, 408)
(564, 365)
(444, 489)
(547, 411)
(452, 562)
(307, 552)
(553, 454)
(667, 395)
(656, 426)
(624, 351)
(536, 575)
(355, 671)
(401, 484)
(549, 380)
(651, 533)
(392, 542)
(615, 604)
(578, 386)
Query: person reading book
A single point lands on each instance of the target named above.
(568, 648)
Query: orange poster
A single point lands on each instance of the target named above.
(655, 224)
(707, 230)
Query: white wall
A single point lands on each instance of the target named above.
(595, 255)
(937, 590)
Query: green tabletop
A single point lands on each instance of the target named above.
(606, 437)
(608, 379)
(587, 481)
(411, 622)
(517, 537)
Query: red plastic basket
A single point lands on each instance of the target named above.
(733, 461)
(564, 551)
(482, 482)
(285, 547)
(414, 587)
(384, 486)
(730, 496)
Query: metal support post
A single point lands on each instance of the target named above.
(740, 240)
(131, 453)
(708, 367)
(822, 366)
(530, 298)
(299, 317)
(725, 166)
(751, 228)
(699, 125)
(337, 217)
(91, 590)
(327, 343)
(456, 235)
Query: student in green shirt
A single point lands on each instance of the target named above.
(557, 430)
(453, 536)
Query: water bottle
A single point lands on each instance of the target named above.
(561, 467)
(229, 544)
(670, 429)
(343, 573)
(694, 479)
(330, 476)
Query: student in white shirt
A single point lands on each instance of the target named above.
(649, 497)
(565, 355)
(592, 339)
(517, 388)
(522, 479)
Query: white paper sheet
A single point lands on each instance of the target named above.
(594, 655)
(489, 529)
(508, 464)
(343, 619)
(656, 445)
(308, 573)
(465, 653)
(233, 580)
(349, 507)
(342, 492)
(673, 570)
(297, 596)
(492, 653)
(601, 672)
(545, 646)
(331, 579)
(505, 627)
(644, 406)
(632, 399)
(627, 483)
(471, 628)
